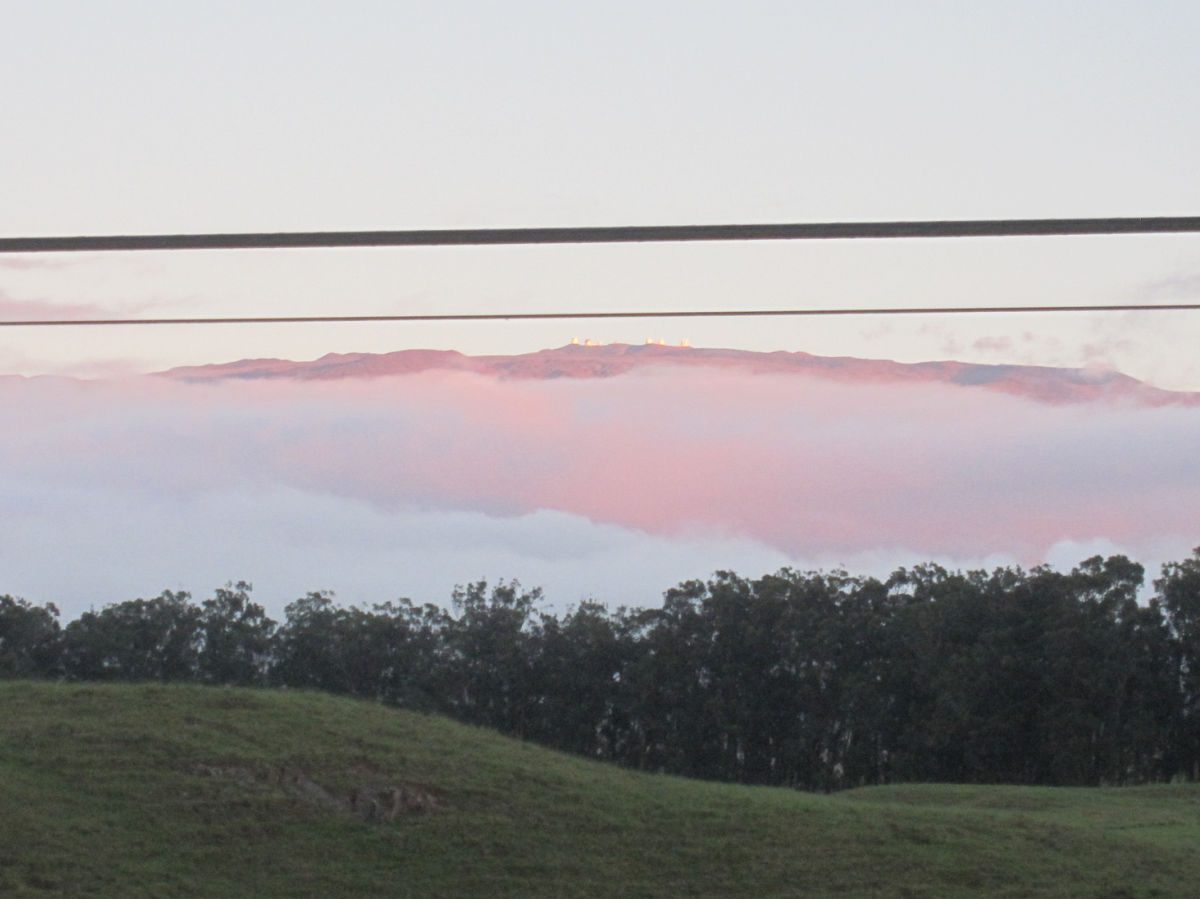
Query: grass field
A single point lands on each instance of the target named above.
(135, 791)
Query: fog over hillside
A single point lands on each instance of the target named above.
(609, 471)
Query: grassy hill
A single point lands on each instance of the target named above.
(183, 791)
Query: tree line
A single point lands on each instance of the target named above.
(816, 680)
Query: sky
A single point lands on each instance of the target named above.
(139, 117)
(130, 117)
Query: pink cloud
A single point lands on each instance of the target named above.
(803, 465)
(31, 262)
(14, 309)
(42, 310)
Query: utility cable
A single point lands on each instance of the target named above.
(603, 234)
(535, 316)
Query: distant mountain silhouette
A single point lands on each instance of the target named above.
(1043, 383)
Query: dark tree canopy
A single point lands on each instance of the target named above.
(29, 639)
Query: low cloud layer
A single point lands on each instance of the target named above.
(142, 480)
(12, 309)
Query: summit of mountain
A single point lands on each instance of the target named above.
(577, 361)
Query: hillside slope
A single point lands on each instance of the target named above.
(185, 791)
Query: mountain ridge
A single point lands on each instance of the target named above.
(1046, 384)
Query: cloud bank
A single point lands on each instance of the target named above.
(464, 473)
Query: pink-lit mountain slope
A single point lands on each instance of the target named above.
(1043, 383)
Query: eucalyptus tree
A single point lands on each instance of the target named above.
(1179, 591)
(30, 638)
(139, 640)
(236, 636)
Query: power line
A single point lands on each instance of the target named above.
(591, 235)
(604, 234)
(534, 316)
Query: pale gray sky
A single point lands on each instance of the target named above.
(145, 117)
